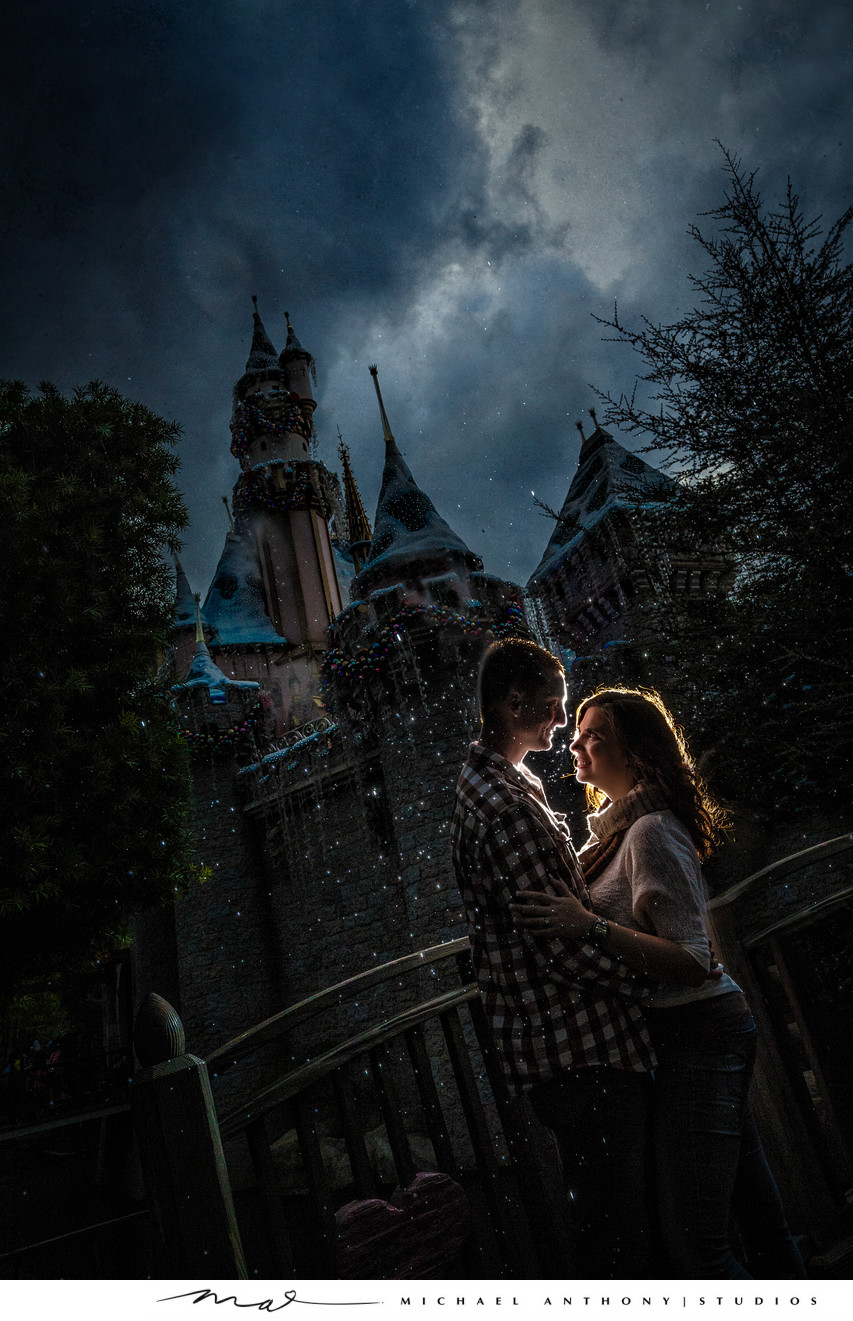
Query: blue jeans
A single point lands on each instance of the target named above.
(703, 1133)
(599, 1117)
(767, 1242)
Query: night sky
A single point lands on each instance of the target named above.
(449, 189)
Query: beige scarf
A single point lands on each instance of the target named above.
(610, 822)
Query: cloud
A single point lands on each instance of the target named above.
(625, 101)
(450, 189)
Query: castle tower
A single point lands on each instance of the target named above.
(276, 590)
(298, 366)
(607, 566)
(284, 496)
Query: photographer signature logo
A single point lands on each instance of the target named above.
(265, 1304)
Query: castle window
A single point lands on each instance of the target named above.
(445, 590)
(263, 444)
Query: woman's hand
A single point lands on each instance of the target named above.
(560, 914)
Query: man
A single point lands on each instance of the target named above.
(565, 1016)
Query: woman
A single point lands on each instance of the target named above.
(651, 824)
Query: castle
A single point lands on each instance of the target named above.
(326, 688)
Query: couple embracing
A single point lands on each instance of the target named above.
(595, 971)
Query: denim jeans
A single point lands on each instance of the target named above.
(766, 1241)
(706, 1053)
(599, 1117)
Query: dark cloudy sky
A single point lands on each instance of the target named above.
(449, 188)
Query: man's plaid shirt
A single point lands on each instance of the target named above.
(552, 1005)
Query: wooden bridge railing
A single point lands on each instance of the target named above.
(483, 1212)
(460, 1219)
(183, 1164)
(801, 1090)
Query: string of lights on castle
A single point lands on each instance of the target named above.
(255, 490)
(246, 414)
(223, 738)
(371, 660)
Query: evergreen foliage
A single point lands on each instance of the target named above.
(749, 397)
(92, 773)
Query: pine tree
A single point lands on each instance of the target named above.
(92, 773)
(749, 397)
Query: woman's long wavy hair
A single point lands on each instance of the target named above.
(657, 754)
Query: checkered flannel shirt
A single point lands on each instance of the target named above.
(552, 1004)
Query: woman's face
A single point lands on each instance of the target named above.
(599, 760)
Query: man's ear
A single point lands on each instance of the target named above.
(514, 701)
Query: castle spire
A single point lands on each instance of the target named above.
(298, 365)
(390, 443)
(204, 672)
(597, 435)
(409, 535)
(184, 600)
(607, 477)
(358, 527)
(199, 627)
(185, 620)
(292, 342)
(262, 354)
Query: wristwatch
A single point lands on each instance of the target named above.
(599, 930)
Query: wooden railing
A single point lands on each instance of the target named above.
(475, 1213)
(801, 1090)
(185, 1127)
(113, 1242)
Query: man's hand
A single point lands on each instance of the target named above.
(560, 914)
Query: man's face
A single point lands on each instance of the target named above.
(540, 713)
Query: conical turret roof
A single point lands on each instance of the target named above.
(608, 477)
(204, 672)
(262, 354)
(358, 527)
(407, 527)
(292, 345)
(184, 599)
(234, 607)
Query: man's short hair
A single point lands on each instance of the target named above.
(514, 663)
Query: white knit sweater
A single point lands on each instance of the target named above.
(654, 883)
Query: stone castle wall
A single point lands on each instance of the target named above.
(353, 823)
(326, 858)
(212, 953)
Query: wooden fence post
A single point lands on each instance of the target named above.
(195, 1229)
